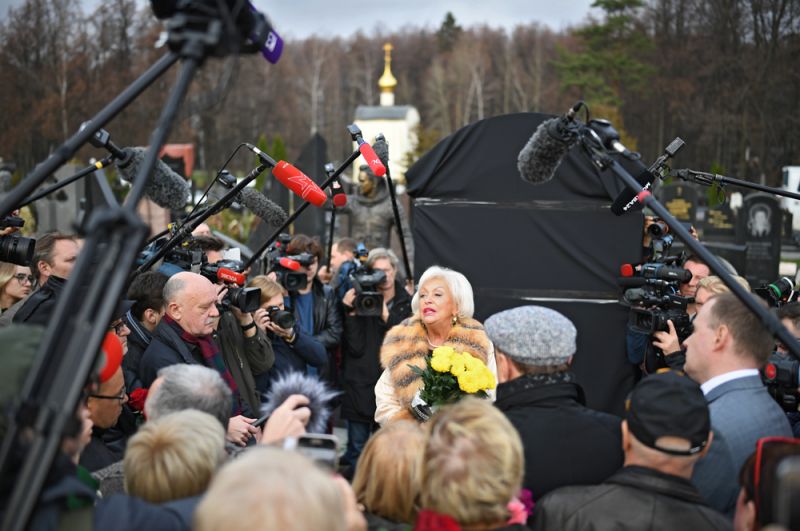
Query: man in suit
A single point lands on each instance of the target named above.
(724, 354)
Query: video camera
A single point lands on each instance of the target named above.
(184, 258)
(781, 374)
(654, 293)
(368, 301)
(286, 267)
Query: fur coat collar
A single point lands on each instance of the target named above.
(406, 344)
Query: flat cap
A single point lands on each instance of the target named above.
(533, 335)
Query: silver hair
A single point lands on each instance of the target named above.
(379, 252)
(460, 289)
(190, 386)
(172, 289)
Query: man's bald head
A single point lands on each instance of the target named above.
(191, 302)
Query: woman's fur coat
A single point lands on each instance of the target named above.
(407, 344)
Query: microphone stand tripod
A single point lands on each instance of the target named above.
(602, 160)
(708, 179)
(114, 234)
(398, 225)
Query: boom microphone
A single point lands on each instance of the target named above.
(262, 207)
(166, 188)
(539, 159)
(381, 149)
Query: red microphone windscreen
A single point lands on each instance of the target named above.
(626, 270)
(110, 357)
(288, 263)
(299, 183)
(228, 275)
(372, 159)
(339, 200)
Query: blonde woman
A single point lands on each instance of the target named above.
(16, 283)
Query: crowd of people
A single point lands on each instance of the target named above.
(175, 437)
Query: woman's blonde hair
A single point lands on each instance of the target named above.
(457, 283)
(267, 488)
(174, 456)
(7, 272)
(714, 285)
(473, 463)
(389, 472)
(269, 288)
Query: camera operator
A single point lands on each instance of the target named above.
(246, 350)
(789, 314)
(668, 341)
(363, 337)
(343, 253)
(294, 349)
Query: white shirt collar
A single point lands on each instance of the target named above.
(716, 381)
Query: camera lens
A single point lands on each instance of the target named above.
(16, 249)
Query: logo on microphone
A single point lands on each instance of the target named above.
(272, 41)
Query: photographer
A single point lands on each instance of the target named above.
(363, 337)
(315, 306)
(789, 314)
(343, 252)
(294, 349)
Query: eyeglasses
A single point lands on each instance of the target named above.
(22, 277)
(118, 328)
(121, 397)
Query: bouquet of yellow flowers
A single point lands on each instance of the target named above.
(449, 375)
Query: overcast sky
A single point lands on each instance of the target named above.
(301, 18)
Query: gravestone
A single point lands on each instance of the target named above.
(680, 200)
(759, 227)
(720, 224)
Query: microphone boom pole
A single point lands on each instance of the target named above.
(99, 165)
(772, 324)
(397, 221)
(708, 179)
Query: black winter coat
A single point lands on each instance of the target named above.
(361, 364)
(166, 348)
(138, 341)
(565, 443)
(635, 498)
(41, 304)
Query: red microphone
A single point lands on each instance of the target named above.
(373, 161)
(299, 183)
(290, 264)
(626, 270)
(228, 275)
(338, 197)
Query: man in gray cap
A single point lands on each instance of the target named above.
(565, 443)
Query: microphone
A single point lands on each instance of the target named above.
(262, 207)
(338, 196)
(299, 183)
(165, 187)
(628, 199)
(381, 149)
(228, 275)
(292, 178)
(539, 159)
(373, 161)
(295, 383)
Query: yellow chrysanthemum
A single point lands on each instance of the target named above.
(459, 365)
(469, 383)
(441, 361)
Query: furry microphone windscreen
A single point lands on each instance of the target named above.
(166, 188)
(262, 207)
(541, 156)
(381, 148)
(317, 392)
